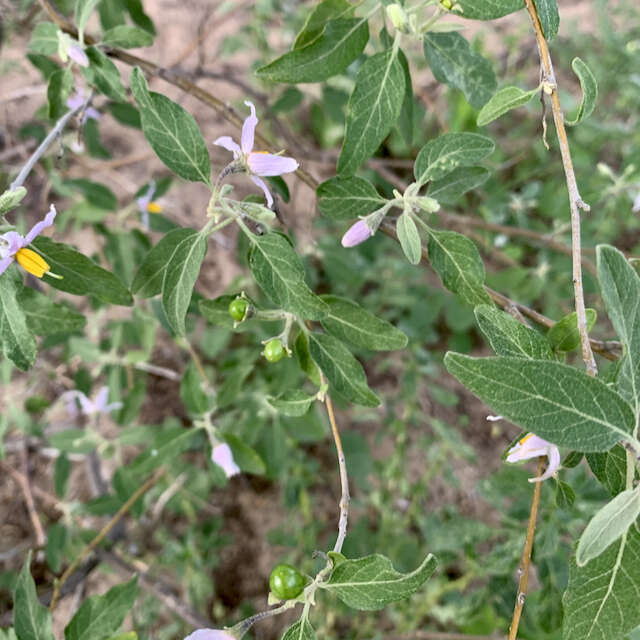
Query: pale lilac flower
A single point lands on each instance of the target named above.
(89, 407)
(255, 163)
(531, 446)
(77, 54)
(146, 204)
(356, 234)
(210, 634)
(223, 457)
(12, 247)
(636, 204)
(76, 100)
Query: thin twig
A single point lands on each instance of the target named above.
(575, 201)
(101, 535)
(525, 562)
(344, 479)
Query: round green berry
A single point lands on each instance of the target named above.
(238, 309)
(286, 582)
(274, 350)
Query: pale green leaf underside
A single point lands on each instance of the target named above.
(488, 9)
(293, 403)
(371, 582)
(44, 39)
(549, 17)
(300, 630)
(409, 238)
(589, 91)
(504, 100)
(556, 402)
(373, 109)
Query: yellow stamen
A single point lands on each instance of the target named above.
(523, 440)
(154, 207)
(32, 262)
(265, 152)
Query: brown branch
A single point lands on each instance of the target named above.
(575, 201)
(101, 535)
(525, 562)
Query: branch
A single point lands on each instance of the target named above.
(575, 201)
(525, 563)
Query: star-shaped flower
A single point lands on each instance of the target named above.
(531, 446)
(223, 457)
(255, 163)
(89, 407)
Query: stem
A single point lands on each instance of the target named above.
(575, 201)
(46, 143)
(525, 562)
(344, 479)
(103, 532)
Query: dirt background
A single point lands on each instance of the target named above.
(189, 33)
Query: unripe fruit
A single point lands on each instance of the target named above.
(238, 309)
(274, 350)
(286, 582)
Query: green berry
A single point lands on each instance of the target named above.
(274, 350)
(238, 309)
(286, 582)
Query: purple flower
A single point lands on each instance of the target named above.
(147, 205)
(210, 634)
(357, 233)
(223, 457)
(636, 204)
(531, 446)
(89, 407)
(76, 100)
(77, 54)
(12, 247)
(256, 163)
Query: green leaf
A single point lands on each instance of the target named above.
(96, 193)
(405, 121)
(345, 374)
(610, 468)
(80, 275)
(349, 322)
(244, 456)
(601, 600)
(549, 18)
(488, 9)
(183, 268)
(348, 198)
(10, 199)
(280, 274)
(101, 616)
(18, 343)
(448, 152)
(504, 100)
(458, 182)
(300, 630)
(565, 495)
(83, 11)
(104, 75)
(455, 63)
(148, 279)
(192, 394)
(318, 18)
(457, 261)
(608, 525)
(31, 620)
(58, 90)
(46, 317)
(44, 39)
(303, 354)
(165, 448)
(508, 337)
(127, 37)
(293, 403)
(62, 471)
(172, 132)
(56, 542)
(374, 107)
(589, 91)
(409, 238)
(558, 403)
(564, 335)
(370, 583)
(620, 289)
(328, 54)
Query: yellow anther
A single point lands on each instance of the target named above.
(32, 262)
(154, 207)
(523, 440)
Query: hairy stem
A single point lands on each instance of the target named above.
(525, 562)
(575, 201)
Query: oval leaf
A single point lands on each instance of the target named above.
(589, 91)
(409, 238)
(348, 198)
(506, 99)
(564, 335)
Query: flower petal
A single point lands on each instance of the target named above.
(14, 242)
(248, 129)
(77, 54)
(268, 164)
(261, 183)
(4, 263)
(209, 634)
(223, 457)
(553, 454)
(228, 143)
(357, 233)
(38, 228)
(102, 397)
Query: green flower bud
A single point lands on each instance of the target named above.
(398, 17)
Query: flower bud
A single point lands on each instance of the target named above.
(356, 234)
(427, 204)
(398, 17)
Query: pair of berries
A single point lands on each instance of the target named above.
(274, 350)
